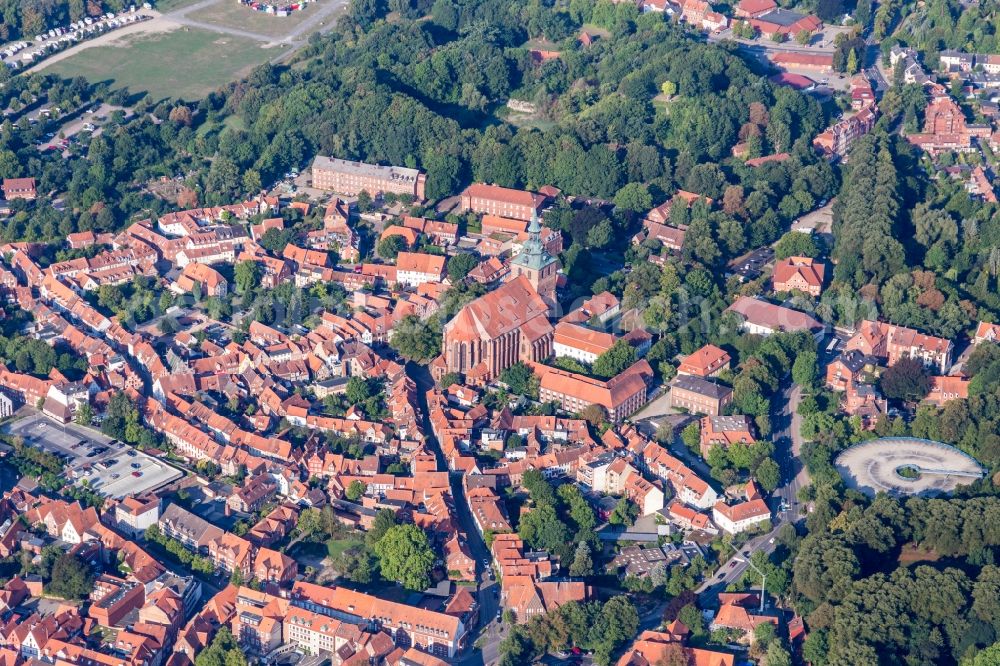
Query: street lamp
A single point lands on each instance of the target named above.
(763, 580)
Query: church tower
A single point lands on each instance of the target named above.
(537, 265)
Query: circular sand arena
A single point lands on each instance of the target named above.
(906, 466)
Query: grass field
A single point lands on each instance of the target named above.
(186, 63)
(335, 547)
(170, 5)
(230, 14)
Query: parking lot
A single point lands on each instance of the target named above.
(111, 468)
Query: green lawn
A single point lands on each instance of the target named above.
(165, 6)
(187, 63)
(337, 546)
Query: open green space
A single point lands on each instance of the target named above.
(186, 63)
(335, 547)
(164, 6)
(230, 14)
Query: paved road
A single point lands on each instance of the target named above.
(488, 590)
(788, 446)
(763, 45)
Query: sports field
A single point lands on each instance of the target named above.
(184, 62)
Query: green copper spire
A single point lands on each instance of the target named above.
(533, 254)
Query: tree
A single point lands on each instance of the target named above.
(223, 651)
(384, 520)
(358, 390)
(986, 657)
(388, 247)
(247, 276)
(181, 115)
(309, 522)
(357, 563)
(768, 474)
(907, 379)
(415, 339)
(691, 436)
(804, 369)
(275, 240)
(71, 578)
(583, 564)
(355, 490)
(634, 197)
(518, 378)
(450, 378)
(803, 37)
(617, 624)
(796, 244)
(777, 655)
(460, 265)
(84, 415)
(668, 88)
(616, 359)
(542, 530)
(593, 414)
(852, 62)
(601, 234)
(405, 556)
(624, 513)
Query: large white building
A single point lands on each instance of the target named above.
(414, 269)
(580, 343)
(134, 515)
(735, 518)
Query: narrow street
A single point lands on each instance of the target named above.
(488, 590)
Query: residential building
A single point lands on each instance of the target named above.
(725, 431)
(736, 518)
(19, 188)
(763, 318)
(526, 597)
(619, 396)
(206, 279)
(414, 269)
(352, 178)
(437, 633)
(891, 343)
(655, 647)
(802, 274)
(112, 599)
(836, 140)
(947, 388)
(986, 332)
(195, 533)
(502, 201)
(735, 612)
(699, 396)
(134, 515)
(754, 8)
(270, 566)
(708, 361)
(945, 128)
(579, 342)
(845, 370)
